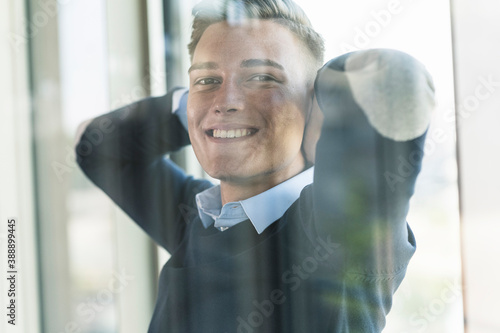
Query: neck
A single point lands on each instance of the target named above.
(233, 190)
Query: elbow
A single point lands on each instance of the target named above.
(82, 146)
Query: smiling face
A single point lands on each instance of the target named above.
(250, 92)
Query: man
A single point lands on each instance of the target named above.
(279, 246)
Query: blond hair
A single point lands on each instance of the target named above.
(284, 12)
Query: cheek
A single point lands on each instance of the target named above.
(192, 106)
(289, 117)
(196, 111)
(287, 134)
(191, 124)
(195, 136)
(292, 123)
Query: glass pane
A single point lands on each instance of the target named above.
(430, 298)
(476, 29)
(90, 231)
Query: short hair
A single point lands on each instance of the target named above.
(284, 12)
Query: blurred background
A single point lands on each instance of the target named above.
(83, 266)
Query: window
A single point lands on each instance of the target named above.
(86, 267)
(435, 269)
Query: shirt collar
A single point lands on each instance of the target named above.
(262, 210)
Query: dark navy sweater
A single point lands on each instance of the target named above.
(331, 263)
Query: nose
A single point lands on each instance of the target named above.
(228, 98)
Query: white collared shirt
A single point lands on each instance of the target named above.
(262, 210)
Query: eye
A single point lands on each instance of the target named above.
(207, 81)
(262, 78)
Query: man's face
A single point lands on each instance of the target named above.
(248, 100)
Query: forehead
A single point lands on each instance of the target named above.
(259, 39)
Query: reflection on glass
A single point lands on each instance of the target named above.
(429, 299)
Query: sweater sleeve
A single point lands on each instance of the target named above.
(377, 107)
(122, 152)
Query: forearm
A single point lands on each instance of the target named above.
(368, 158)
(139, 132)
(122, 152)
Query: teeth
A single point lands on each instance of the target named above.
(230, 134)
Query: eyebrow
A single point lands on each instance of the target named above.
(245, 64)
(260, 62)
(203, 65)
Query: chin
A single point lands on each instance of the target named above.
(224, 167)
(236, 173)
(229, 174)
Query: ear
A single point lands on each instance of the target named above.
(310, 104)
(312, 130)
